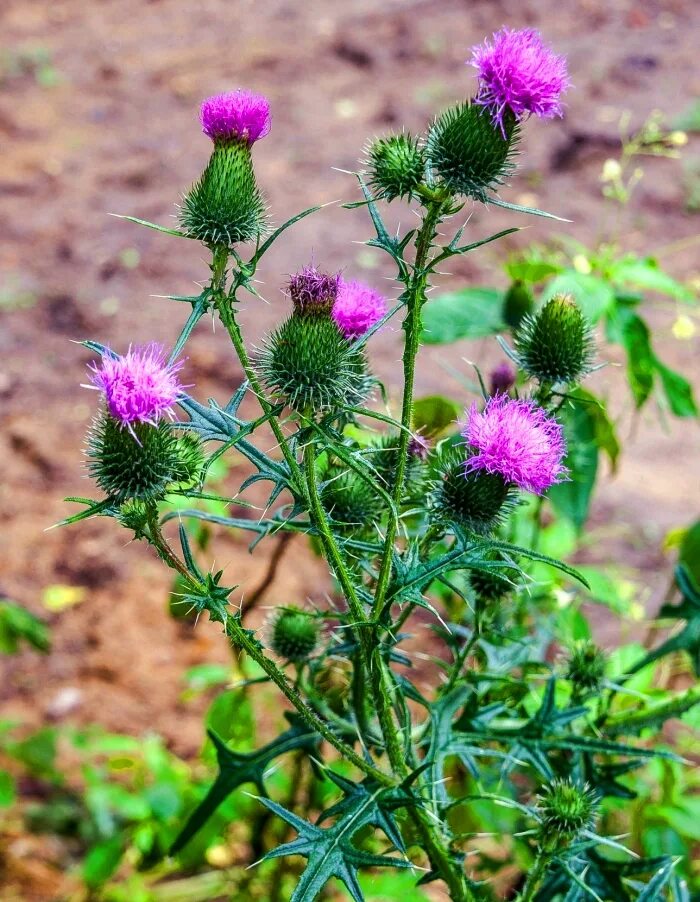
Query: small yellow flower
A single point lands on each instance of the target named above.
(611, 171)
(678, 139)
(582, 264)
(683, 328)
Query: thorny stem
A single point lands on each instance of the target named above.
(534, 878)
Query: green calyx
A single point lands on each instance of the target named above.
(352, 504)
(564, 809)
(141, 463)
(309, 365)
(476, 501)
(468, 153)
(225, 206)
(555, 344)
(517, 304)
(293, 634)
(586, 667)
(396, 166)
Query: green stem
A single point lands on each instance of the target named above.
(160, 543)
(534, 878)
(412, 326)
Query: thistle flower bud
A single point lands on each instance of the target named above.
(517, 303)
(352, 504)
(132, 515)
(189, 464)
(468, 153)
(225, 206)
(476, 500)
(565, 809)
(502, 379)
(586, 668)
(139, 463)
(293, 633)
(383, 456)
(310, 366)
(555, 344)
(332, 680)
(313, 292)
(396, 166)
(490, 586)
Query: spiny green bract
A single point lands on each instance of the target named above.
(468, 153)
(517, 303)
(383, 456)
(475, 501)
(310, 366)
(293, 633)
(352, 503)
(190, 461)
(132, 466)
(565, 809)
(555, 344)
(396, 166)
(490, 586)
(586, 667)
(225, 205)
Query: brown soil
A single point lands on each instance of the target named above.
(116, 132)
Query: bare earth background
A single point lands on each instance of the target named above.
(109, 125)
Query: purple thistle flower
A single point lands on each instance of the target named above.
(312, 289)
(357, 308)
(240, 115)
(518, 71)
(502, 378)
(518, 440)
(140, 386)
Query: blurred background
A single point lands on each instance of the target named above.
(98, 116)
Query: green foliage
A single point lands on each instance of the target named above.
(17, 626)
(470, 313)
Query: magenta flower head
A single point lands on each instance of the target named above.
(518, 440)
(140, 386)
(519, 72)
(236, 115)
(357, 308)
(313, 291)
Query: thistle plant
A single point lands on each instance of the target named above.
(406, 522)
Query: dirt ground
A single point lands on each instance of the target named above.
(98, 115)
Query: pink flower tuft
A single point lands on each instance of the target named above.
(517, 439)
(240, 115)
(140, 386)
(518, 71)
(357, 308)
(310, 288)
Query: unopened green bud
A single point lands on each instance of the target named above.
(332, 680)
(190, 457)
(132, 515)
(586, 667)
(555, 344)
(396, 166)
(225, 205)
(309, 365)
(293, 633)
(517, 304)
(468, 152)
(352, 503)
(564, 809)
(475, 500)
(138, 462)
(492, 585)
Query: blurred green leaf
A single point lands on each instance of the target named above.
(102, 861)
(470, 313)
(646, 274)
(531, 269)
(7, 789)
(572, 499)
(678, 391)
(690, 551)
(18, 625)
(434, 414)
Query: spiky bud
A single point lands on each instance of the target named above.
(132, 515)
(586, 667)
(383, 456)
(353, 505)
(332, 680)
(475, 500)
(564, 809)
(517, 303)
(225, 206)
(313, 293)
(140, 462)
(555, 344)
(469, 153)
(310, 366)
(189, 460)
(293, 633)
(492, 585)
(396, 166)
